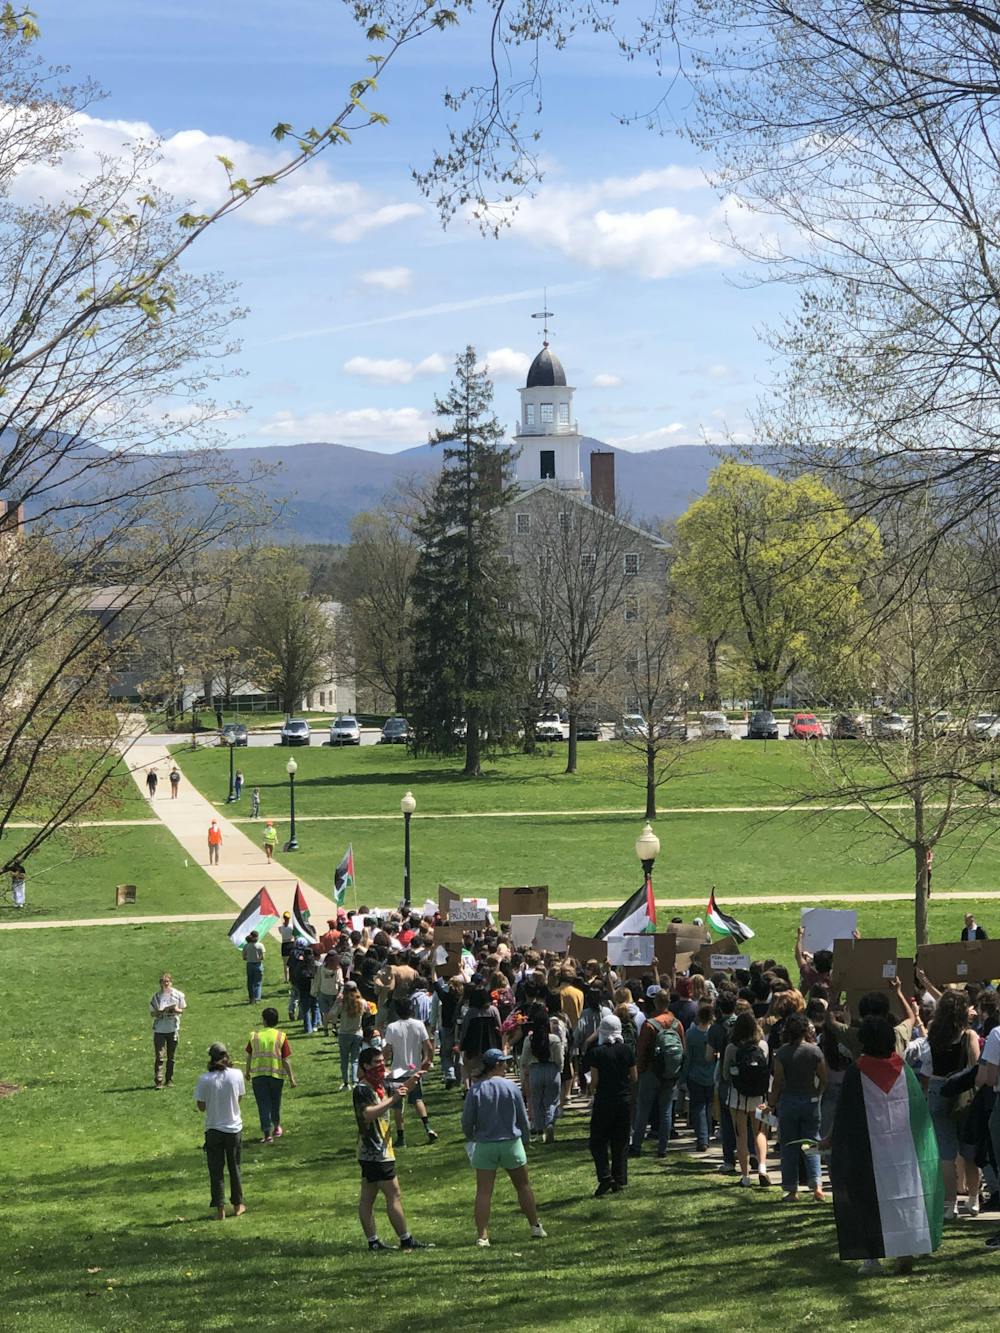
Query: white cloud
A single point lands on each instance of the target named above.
(504, 363)
(391, 279)
(188, 168)
(606, 381)
(369, 427)
(659, 438)
(394, 370)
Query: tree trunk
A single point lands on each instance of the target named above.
(528, 743)
(650, 779)
(473, 745)
(767, 697)
(571, 744)
(922, 892)
(399, 693)
(712, 696)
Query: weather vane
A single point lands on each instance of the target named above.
(544, 314)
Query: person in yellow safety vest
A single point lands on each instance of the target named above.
(268, 1065)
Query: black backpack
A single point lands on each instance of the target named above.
(480, 1035)
(751, 1074)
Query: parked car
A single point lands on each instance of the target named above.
(673, 727)
(296, 732)
(983, 727)
(631, 727)
(845, 727)
(941, 724)
(889, 727)
(345, 731)
(715, 727)
(763, 726)
(549, 728)
(234, 733)
(805, 727)
(395, 732)
(588, 727)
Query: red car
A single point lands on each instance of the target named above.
(805, 727)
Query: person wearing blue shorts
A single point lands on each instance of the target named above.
(495, 1125)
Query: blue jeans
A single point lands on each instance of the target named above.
(350, 1049)
(727, 1130)
(267, 1093)
(544, 1088)
(255, 980)
(651, 1090)
(449, 1061)
(326, 1003)
(798, 1118)
(308, 1009)
(700, 1111)
(293, 1002)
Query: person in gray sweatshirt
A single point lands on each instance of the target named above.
(495, 1125)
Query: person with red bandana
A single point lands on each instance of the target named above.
(372, 1104)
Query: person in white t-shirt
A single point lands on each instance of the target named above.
(408, 1046)
(218, 1093)
(166, 1008)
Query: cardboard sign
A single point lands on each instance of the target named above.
(449, 933)
(963, 960)
(553, 935)
(466, 912)
(522, 930)
(728, 962)
(429, 908)
(727, 945)
(630, 950)
(665, 952)
(858, 964)
(524, 901)
(124, 893)
(689, 938)
(903, 969)
(825, 925)
(585, 949)
(445, 900)
(453, 962)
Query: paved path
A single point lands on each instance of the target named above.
(244, 868)
(118, 921)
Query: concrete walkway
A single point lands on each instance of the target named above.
(243, 867)
(118, 921)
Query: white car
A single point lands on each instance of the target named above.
(632, 727)
(549, 728)
(984, 727)
(345, 731)
(296, 732)
(715, 727)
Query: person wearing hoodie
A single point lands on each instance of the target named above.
(611, 1066)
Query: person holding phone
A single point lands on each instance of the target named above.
(372, 1103)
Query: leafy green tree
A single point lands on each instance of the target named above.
(288, 632)
(466, 656)
(780, 562)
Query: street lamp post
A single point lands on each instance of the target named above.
(647, 849)
(292, 845)
(408, 804)
(230, 741)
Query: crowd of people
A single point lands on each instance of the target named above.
(767, 1063)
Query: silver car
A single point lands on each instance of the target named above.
(673, 727)
(632, 727)
(983, 727)
(890, 727)
(345, 731)
(295, 732)
(715, 727)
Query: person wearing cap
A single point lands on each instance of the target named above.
(287, 932)
(495, 1125)
(270, 840)
(376, 1158)
(611, 1066)
(218, 1094)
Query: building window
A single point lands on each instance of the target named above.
(522, 524)
(564, 521)
(547, 462)
(590, 667)
(529, 414)
(632, 664)
(322, 699)
(632, 562)
(547, 417)
(564, 414)
(631, 608)
(588, 560)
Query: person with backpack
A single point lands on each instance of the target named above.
(301, 970)
(701, 1075)
(746, 1067)
(541, 1071)
(478, 1031)
(659, 1065)
(796, 1096)
(718, 1040)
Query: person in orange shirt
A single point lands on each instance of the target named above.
(214, 843)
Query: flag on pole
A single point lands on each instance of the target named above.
(343, 876)
(636, 916)
(260, 914)
(300, 918)
(724, 924)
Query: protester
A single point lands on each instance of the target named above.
(718, 1040)
(301, 971)
(288, 935)
(372, 1103)
(478, 1031)
(253, 955)
(495, 1125)
(408, 1046)
(214, 842)
(270, 840)
(268, 1065)
(166, 1008)
(746, 1065)
(218, 1094)
(450, 994)
(701, 1060)
(347, 1013)
(659, 1065)
(799, 1078)
(327, 984)
(542, 1056)
(611, 1067)
(951, 1047)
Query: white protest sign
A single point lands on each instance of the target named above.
(823, 925)
(440, 956)
(552, 934)
(630, 950)
(357, 922)
(429, 908)
(728, 962)
(522, 929)
(471, 913)
(888, 971)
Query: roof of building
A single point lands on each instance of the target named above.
(545, 370)
(580, 498)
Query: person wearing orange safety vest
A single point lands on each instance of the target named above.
(268, 1065)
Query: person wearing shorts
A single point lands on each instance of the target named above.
(270, 839)
(376, 1158)
(495, 1125)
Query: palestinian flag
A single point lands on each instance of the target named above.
(260, 914)
(300, 918)
(637, 916)
(888, 1193)
(343, 876)
(724, 924)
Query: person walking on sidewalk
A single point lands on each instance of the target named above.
(253, 956)
(175, 782)
(270, 840)
(218, 1094)
(166, 1008)
(268, 1065)
(214, 843)
(151, 781)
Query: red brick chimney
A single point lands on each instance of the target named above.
(602, 479)
(11, 518)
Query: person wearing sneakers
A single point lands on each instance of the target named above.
(495, 1125)
(349, 1013)
(372, 1104)
(166, 1008)
(218, 1094)
(611, 1066)
(797, 1086)
(268, 1056)
(270, 840)
(408, 1046)
(214, 842)
(746, 1068)
(659, 1061)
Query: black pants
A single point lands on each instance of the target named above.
(610, 1128)
(224, 1151)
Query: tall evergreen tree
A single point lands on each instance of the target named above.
(466, 660)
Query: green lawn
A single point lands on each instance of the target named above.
(74, 875)
(106, 1196)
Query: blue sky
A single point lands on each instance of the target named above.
(358, 300)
